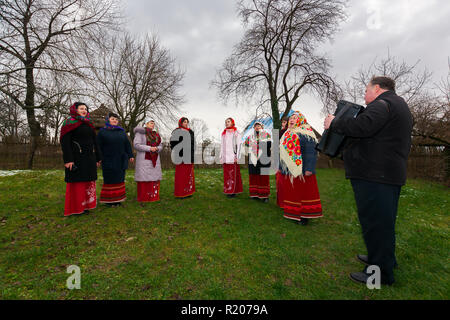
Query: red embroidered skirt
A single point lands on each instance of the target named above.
(278, 177)
(113, 193)
(148, 191)
(259, 186)
(184, 180)
(232, 181)
(80, 196)
(300, 199)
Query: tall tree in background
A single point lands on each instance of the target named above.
(276, 59)
(136, 78)
(41, 35)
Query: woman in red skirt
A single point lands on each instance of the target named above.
(81, 156)
(284, 122)
(300, 195)
(148, 145)
(229, 151)
(256, 145)
(116, 150)
(182, 143)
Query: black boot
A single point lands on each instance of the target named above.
(304, 221)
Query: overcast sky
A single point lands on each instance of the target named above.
(201, 34)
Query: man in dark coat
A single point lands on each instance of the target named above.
(375, 161)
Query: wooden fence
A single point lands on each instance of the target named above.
(425, 163)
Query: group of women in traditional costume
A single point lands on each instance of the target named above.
(297, 191)
(84, 151)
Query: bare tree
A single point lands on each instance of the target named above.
(41, 35)
(63, 89)
(136, 78)
(276, 60)
(200, 128)
(12, 120)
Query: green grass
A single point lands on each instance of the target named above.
(209, 246)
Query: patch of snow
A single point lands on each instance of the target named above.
(7, 173)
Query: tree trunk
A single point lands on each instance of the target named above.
(33, 124)
(275, 113)
(35, 131)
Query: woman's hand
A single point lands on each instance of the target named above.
(153, 149)
(69, 165)
(132, 160)
(99, 163)
(308, 173)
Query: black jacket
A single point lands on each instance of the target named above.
(380, 140)
(116, 151)
(174, 142)
(80, 146)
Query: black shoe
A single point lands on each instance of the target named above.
(359, 277)
(86, 212)
(231, 195)
(266, 200)
(365, 260)
(304, 221)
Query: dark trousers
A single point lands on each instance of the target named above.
(377, 205)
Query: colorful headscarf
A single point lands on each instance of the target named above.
(180, 123)
(290, 150)
(108, 125)
(75, 120)
(232, 128)
(153, 140)
(253, 141)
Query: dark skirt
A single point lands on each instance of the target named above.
(300, 199)
(184, 180)
(80, 196)
(232, 181)
(113, 176)
(113, 193)
(259, 186)
(148, 191)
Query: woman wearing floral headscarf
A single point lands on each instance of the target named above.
(116, 151)
(81, 156)
(255, 145)
(184, 171)
(229, 151)
(300, 199)
(148, 174)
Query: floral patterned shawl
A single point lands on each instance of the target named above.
(75, 120)
(290, 150)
